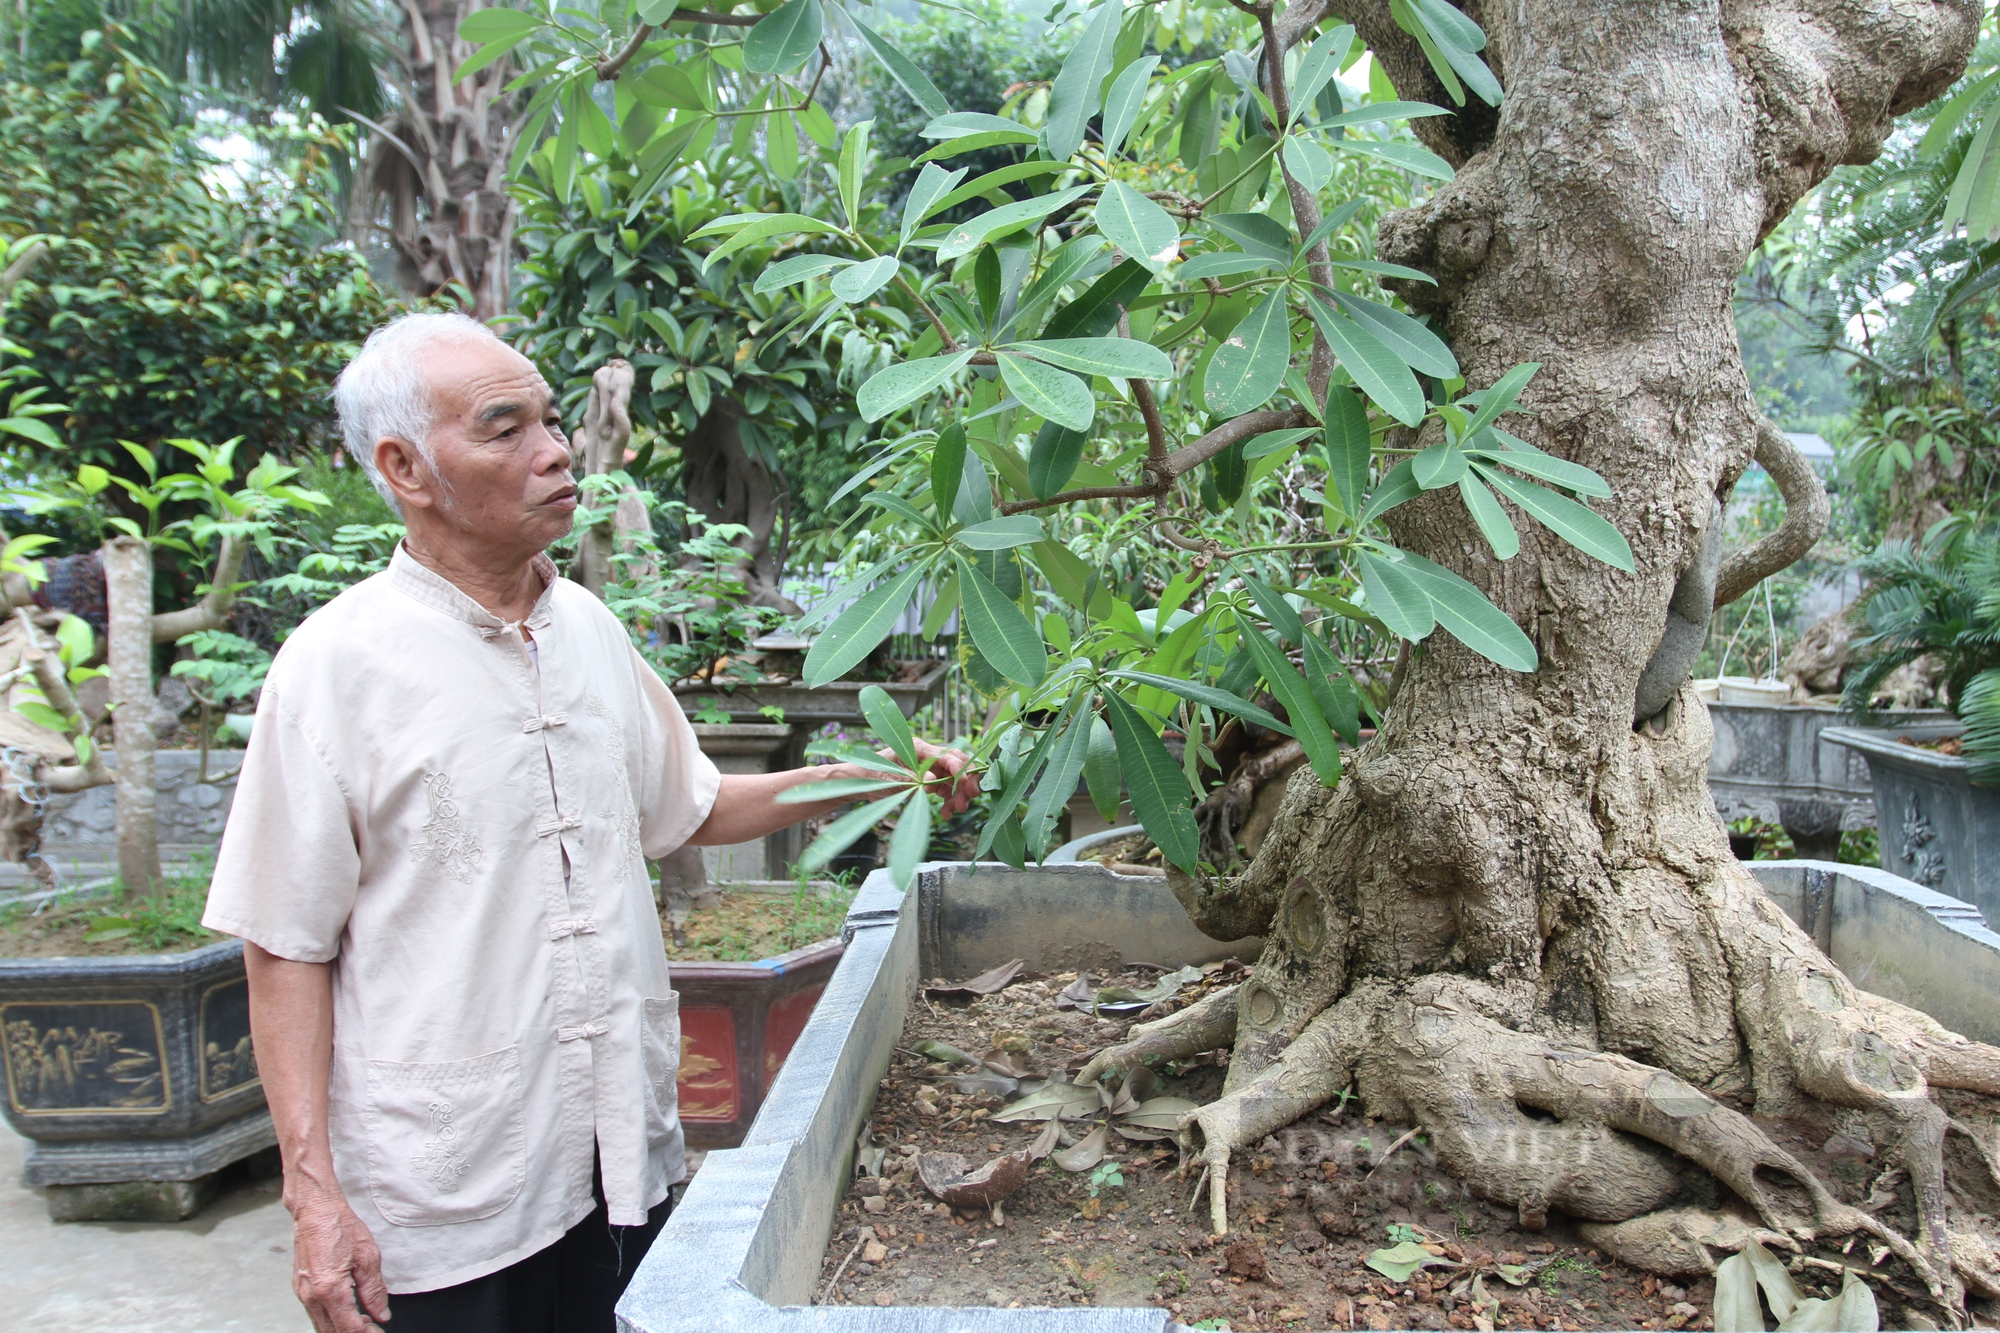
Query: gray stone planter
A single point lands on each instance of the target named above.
(742, 1252)
(837, 702)
(131, 1069)
(1773, 763)
(1937, 828)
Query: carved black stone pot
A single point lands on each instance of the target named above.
(132, 1077)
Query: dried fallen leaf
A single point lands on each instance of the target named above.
(1045, 1143)
(1158, 1113)
(1124, 999)
(1055, 1098)
(1084, 1155)
(945, 1174)
(989, 982)
(1078, 994)
(938, 1050)
(999, 1085)
(1397, 1262)
(1140, 1084)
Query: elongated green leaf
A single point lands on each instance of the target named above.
(1397, 600)
(1114, 358)
(1321, 61)
(1095, 313)
(1379, 111)
(932, 184)
(959, 123)
(1309, 164)
(988, 182)
(1210, 695)
(1442, 464)
(764, 227)
(1073, 580)
(1348, 446)
(842, 832)
(497, 25)
(947, 468)
(855, 632)
(1275, 609)
(1272, 441)
(1002, 534)
(1100, 771)
(1015, 790)
(1138, 226)
(1498, 399)
(660, 85)
(872, 467)
(1257, 234)
(861, 281)
(911, 840)
(1385, 270)
(1122, 104)
(1314, 736)
(1543, 467)
(1159, 790)
(1398, 486)
(1048, 392)
(845, 593)
(969, 143)
(1408, 156)
(887, 722)
(829, 789)
(1472, 619)
(1589, 532)
(1381, 374)
(895, 387)
(1053, 457)
(1073, 97)
(1000, 630)
(1226, 264)
(853, 168)
(967, 236)
(1417, 345)
(1066, 758)
(1339, 702)
(902, 69)
(1250, 364)
(796, 269)
(1491, 518)
(780, 41)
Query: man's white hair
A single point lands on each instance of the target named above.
(383, 393)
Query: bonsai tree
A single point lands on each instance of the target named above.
(1512, 915)
(224, 526)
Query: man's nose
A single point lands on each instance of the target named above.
(555, 453)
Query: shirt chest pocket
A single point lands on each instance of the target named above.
(446, 1139)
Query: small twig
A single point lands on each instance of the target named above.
(1134, 492)
(719, 20)
(607, 70)
(831, 1282)
(1390, 1151)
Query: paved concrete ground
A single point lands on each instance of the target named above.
(227, 1270)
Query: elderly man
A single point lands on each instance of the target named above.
(437, 863)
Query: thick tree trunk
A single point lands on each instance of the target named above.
(1512, 868)
(599, 442)
(436, 174)
(128, 586)
(725, 484)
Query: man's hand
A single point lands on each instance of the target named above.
(335, 1263)
(958, 786)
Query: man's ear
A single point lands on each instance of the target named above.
(407, 474)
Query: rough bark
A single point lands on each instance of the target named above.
(725, 484)
(128, 584)
(436, 171)
(1516, 921)
(599, 445)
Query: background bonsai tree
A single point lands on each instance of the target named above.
(1512, 915)
(224, 526)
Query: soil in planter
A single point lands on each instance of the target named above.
(744, 927)
(1129, 855)
(1945, 745)
(111, 926)
(1314, 1202)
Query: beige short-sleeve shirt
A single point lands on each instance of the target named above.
(462, 829)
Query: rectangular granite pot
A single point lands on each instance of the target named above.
(1936, 827)
(741, 1254)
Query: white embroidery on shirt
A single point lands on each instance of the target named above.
(625, 823)
(441, 1162)
(445, 843)
(614, 734)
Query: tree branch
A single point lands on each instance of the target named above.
(1081, 493)
(1189, 457)
(1305, 207)
(212, 611)
(719, 20)
(46, 662)
(1807, 510)
(609, 69)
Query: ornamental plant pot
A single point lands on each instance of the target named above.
(132, 1078)
(837, 702)
(738, 1023)
(1772, 762)
(742, 1252)
(1937, 828)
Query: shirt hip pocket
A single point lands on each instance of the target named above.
(446, 1139)
(660, 1044)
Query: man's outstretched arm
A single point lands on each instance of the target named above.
(334, 1259)
(747, 806)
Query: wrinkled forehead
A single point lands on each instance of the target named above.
(480, 381)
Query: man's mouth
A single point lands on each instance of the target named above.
(562, 499)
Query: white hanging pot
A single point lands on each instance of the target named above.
(1745, 690)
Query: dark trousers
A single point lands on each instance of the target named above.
(571, 1287)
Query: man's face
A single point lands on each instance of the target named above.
(503, 478)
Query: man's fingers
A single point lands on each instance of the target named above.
(368, 1283)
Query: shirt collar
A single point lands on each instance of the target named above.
(439, 593)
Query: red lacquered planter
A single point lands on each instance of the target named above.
(738, 1023)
